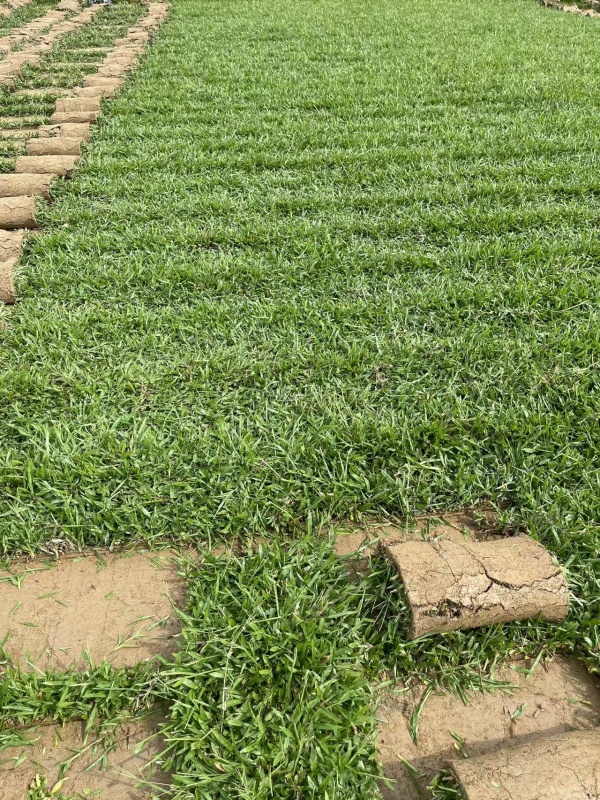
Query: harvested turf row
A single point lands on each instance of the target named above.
(58, 149)
(25, 14)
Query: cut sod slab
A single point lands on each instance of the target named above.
(554, 697)
(561, 767)
(58, 614)
(452, 584)
(15, 185)
(107, 769)
(17, 212)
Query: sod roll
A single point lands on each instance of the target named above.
(7, 286)
(452, 584)
(17, 212)
(69, 104)
(54, 146)
(71, 130)
(11, 244)
(99, 80)
(107, 90)
(19, 185)
(40, 165)
(61, 117)
(561, 767)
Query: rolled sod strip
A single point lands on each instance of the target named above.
(11, 244)
(70, 104)
(108, 90)
(451, 585)
(561, 767)
(60, 117)
(57, 165)
(54, 146)
(7, 286)
(99, 80)
(17, 212)
(74, 130)
(13, 185)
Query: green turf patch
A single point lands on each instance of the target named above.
(268, 697)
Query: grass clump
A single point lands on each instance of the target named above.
(268, 697)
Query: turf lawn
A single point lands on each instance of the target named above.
(323, 261)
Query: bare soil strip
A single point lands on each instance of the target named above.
(54, 152)
(46, 747)
(451, 584)
(556, 768)
(557, 697)
(66, 613)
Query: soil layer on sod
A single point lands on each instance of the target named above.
(318, 262)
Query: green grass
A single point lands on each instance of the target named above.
(268, 696)
(322, 261)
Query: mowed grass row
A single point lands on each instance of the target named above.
(322, 261)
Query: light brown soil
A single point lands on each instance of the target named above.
(558, 697)
(559, 767)
(453, 584)
(114, 607)
(51, 745)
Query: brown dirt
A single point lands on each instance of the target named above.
(558, 697)
(560, 767)
(453, 584)
(114, 607)
(52, 744)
